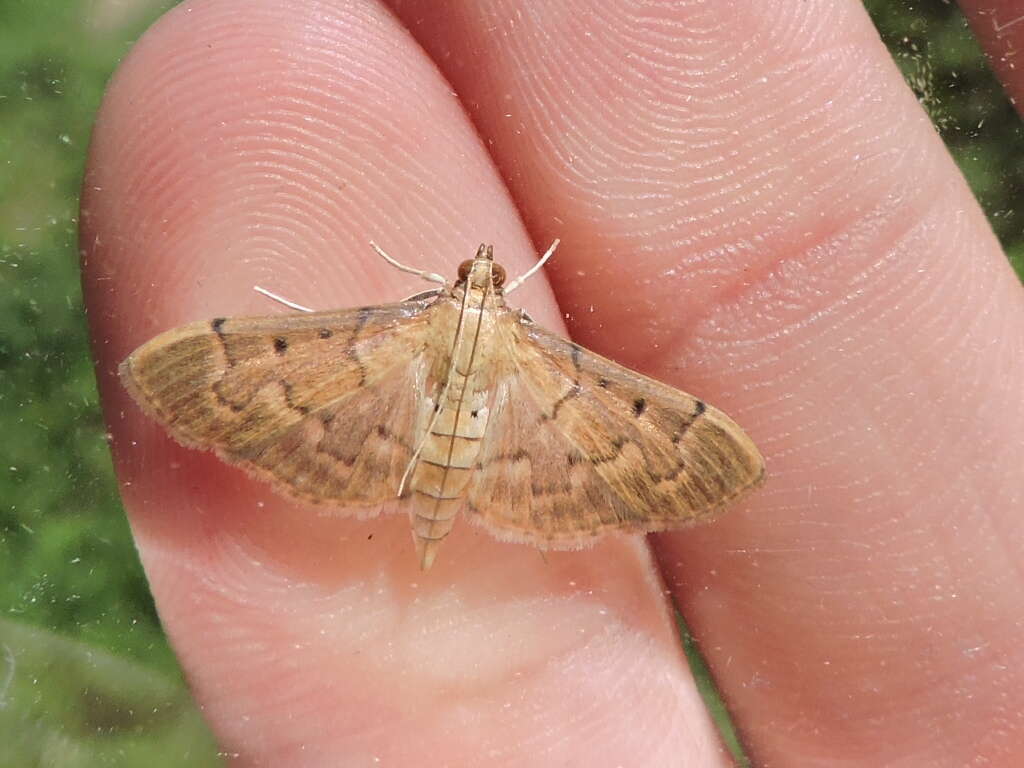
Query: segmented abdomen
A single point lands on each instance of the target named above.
(446, 463)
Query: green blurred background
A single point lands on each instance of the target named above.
(86, 677)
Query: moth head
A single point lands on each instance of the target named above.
(482, 271)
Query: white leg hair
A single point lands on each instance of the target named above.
(429, 276)
(432, 277)
(281, 299)
(292, 305)
(509, 287)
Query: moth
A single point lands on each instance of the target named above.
(451, 401)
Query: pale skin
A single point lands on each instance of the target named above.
(737, 220)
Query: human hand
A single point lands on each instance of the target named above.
(753, 209)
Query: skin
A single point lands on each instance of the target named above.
(999, 26)
(753, 208)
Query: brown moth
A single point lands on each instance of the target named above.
(452, 401)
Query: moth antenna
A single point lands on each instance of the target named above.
(509, 287)
(432, 277)
(281, 299)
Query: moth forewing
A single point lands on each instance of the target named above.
(581, 446)
(295, 399)
(455, 403)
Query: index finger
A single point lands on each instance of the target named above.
(266, 143)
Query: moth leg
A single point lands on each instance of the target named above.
(432, 277)
(281, 299)
(509, 287)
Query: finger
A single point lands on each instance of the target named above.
(266, 143)
(999, 25)
(754, 208)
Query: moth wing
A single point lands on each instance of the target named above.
(324, 404)
(579, 445)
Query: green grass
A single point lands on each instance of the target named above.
(77, 623)
(93, 681)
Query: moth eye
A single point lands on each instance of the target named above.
(464, 269)
(497, 275)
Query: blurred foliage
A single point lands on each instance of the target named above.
(70, 581)
(69, 574)
(65, 703)
(66, 555)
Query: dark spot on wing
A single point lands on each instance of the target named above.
(698, 410)
(363, 316)
(325, 333)
(287, 387)
(603, 383)
(280, 345)
(217, 326)
(576, 349)
(639, 406)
